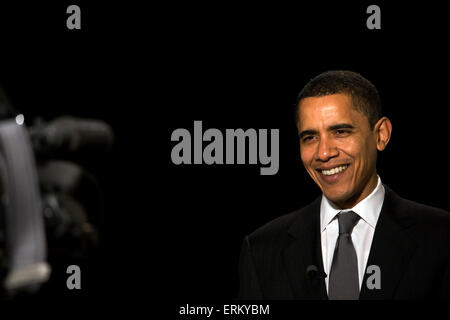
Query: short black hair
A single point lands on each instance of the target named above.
(363, 93)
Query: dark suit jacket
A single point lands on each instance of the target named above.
(411, 246)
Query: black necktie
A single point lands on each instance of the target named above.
(344, 282)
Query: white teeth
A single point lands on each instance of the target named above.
(334, 170)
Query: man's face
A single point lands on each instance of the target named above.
(338, 148)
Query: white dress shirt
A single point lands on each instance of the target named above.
(369, 210)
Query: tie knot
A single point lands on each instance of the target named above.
(347, 220)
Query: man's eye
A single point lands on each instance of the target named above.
(308, 138)
(342, 132)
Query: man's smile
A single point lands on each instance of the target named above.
(331, 174)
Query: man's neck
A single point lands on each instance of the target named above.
(358, 197)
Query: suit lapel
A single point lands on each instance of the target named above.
(303, 250)
(391, 248)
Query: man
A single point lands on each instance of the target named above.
(359, 240)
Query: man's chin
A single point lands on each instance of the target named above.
(338, 199)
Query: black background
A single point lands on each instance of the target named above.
(175, 232)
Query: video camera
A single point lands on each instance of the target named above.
(47, 200)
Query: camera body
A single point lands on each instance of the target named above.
(46, 201)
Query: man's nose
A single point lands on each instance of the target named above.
(326, 149)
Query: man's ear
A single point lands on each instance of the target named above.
(382, 131)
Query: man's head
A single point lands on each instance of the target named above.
(341, 129)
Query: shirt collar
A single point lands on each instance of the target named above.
(368, 209)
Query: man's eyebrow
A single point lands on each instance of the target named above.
(340, 126)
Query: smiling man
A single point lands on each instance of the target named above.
(359, 239)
